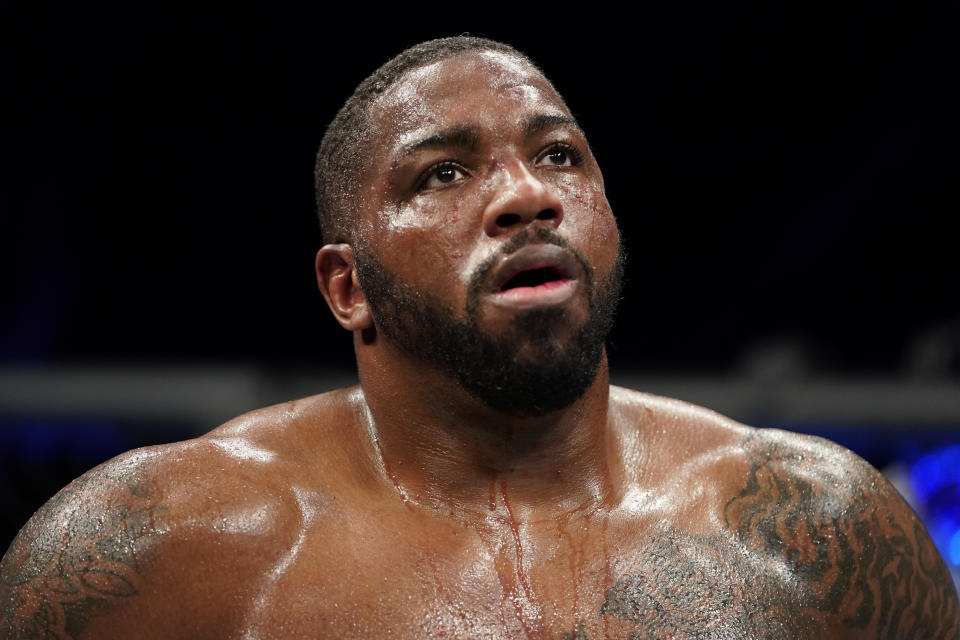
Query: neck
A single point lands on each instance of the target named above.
(444, 450)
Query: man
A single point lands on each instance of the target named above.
(484, 480)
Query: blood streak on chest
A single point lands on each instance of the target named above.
(609, 572)
(564, 538)
(393, 478)
(523, 600)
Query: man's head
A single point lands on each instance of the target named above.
(344, 151)
(474, 232)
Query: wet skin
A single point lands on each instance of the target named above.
(406, 507)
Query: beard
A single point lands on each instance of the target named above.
(487, 365)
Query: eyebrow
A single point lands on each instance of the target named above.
(463, 137)
(467, 137)
(540, 121)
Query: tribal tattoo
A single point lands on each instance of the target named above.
(73, 561)
(807, 549)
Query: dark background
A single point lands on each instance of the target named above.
(782, 176)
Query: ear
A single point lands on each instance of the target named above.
(338, 282)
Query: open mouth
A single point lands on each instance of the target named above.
(535, 278)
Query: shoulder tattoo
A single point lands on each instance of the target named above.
(810, 540)
(78, 557)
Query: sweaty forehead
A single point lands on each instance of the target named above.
(466, 86)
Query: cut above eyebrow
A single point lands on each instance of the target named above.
(463, 137)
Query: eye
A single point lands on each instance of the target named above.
(442, 174)
(559, 155)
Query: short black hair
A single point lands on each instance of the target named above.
(343, 150)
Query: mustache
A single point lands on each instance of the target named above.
(540, 235)
(536, 235)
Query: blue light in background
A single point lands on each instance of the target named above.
(953, 552)
(935, 480)
(39, 441)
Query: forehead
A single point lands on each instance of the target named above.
(483, 88)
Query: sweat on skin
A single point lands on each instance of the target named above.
(439, 500)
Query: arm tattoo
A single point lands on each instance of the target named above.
(579, 634)
(857, 557)
(77, 558)
(811, 542)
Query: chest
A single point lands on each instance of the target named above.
(560, 580)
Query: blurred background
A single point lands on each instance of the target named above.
(785, 180)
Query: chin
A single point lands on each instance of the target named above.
(530, 376)
(527, 363)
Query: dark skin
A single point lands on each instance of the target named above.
(405, 506)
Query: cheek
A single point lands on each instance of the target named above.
(423, 241)
(589, 214)
(439, 215)
(605, 229)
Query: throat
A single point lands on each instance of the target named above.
(532, 472)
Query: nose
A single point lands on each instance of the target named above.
(521, 198)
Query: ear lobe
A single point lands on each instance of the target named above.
(338, 282)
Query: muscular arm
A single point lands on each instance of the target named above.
(859, 551)
(83, 554)
(155, 544)
(815, 544)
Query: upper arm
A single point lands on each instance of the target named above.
(147, 545)
(861, 555)
(84, 553)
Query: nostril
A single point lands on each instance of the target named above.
(507, 220)
(547, 214)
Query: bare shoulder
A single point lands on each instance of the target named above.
(678, 431)
(861, 552)
(148, 541)
(817, 531)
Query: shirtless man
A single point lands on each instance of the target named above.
(484, 480)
